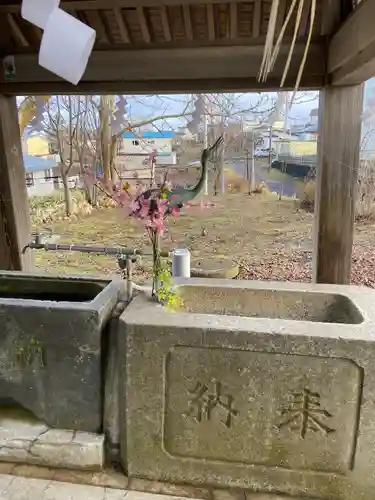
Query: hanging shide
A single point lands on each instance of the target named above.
(271, 51)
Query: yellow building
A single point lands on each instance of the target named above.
(303, 148)
(295, 147)
(35, 145)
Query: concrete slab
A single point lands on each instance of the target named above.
(25, 439)
(19, 488)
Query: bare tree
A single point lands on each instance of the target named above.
(81, 126)
(68, 122)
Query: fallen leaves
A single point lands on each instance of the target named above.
(297, 266)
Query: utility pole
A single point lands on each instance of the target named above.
(270, 148)
(252, 187)
(205, 142)
(248, 169)
(286, 115)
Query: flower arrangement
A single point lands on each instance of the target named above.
(152, 207)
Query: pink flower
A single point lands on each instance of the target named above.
(134, 206)
(162, 206)
(175, 212)
(157, 224)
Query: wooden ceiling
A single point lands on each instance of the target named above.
(171, 45)
(151, 24)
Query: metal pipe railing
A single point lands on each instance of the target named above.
(125, 256)
(118, 252)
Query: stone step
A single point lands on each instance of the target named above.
(25, 439)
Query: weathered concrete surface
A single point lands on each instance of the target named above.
(18, 488)
(25, 439)
(273, 405)
(50, 346)
(110, 478)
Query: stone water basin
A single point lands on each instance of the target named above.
(257, 385)
(275, 303)
(51, 332)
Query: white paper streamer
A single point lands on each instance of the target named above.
(38, 11)
(66, 46)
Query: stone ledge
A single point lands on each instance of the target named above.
(29, 441)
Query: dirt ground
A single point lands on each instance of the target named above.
(271, 239)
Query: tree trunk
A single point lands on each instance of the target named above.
(106, 109)
(221, 170)
(112, 158)
(88, 195)
(67, 194)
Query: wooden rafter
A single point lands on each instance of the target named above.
(16, 31)
(95, 20)
(187, 21)
(165, 23)
(210, 21)
(124, 32)
(233, 20)
(143, 23)
(257, 18)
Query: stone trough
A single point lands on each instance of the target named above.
(263, 386)
(51, 335)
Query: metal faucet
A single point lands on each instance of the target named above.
(125, 256)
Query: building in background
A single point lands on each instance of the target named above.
(41, 175)
(35, 144)
(134, 152)
(141, 145)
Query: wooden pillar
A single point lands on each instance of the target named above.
(14, 204)
(337, 168)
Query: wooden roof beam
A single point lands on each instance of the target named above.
(351, 52)
(170, 86)
(108, 69)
